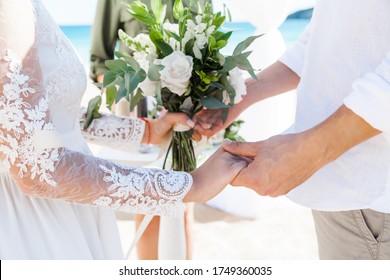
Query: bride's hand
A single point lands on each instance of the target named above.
(214, 175)
(158, 129)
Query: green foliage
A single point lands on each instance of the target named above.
(231, 132)
(93, 110)
(178, 9)
(141, 12)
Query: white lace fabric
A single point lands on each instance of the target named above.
(122, 133)
(31, 106)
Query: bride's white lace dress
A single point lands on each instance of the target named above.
(56, 200)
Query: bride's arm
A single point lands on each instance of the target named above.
(126, 133)
(35, 157)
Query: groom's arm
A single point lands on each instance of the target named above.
(283, 162)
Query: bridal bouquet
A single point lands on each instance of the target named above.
(179, 64)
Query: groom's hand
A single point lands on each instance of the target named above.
(279, 164)
(209, 122)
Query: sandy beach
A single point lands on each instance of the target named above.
(281, 231)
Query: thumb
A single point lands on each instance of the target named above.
(246, 149)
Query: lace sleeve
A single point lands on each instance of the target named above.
(121, 133)
(31, 149)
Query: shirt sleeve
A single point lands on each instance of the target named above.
(370, 97)
(294, 57)
(33, 154)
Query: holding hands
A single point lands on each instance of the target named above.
(279, 164)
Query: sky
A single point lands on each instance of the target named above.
(82, 12)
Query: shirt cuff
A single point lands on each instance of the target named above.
(370, 98)
(293, 58)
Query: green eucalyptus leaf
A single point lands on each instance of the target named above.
(135, 99)
(229, 64)
(133, 79)
(244, 44)
(213, 103)
(158, 94)
(110, 96)
(122, 92)
(109, 78)
(93, 110)
(116, 65)
(154, 71)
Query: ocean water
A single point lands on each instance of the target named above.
(80, 36)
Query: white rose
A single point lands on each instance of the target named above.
(177, 72)
(148, 87)
(237, 81)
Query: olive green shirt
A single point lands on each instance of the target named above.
(112, 15)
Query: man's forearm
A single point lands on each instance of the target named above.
(337, 134)
(274, 80)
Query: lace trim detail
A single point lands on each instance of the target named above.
(146, 190)
(20, 120)
(114, 131)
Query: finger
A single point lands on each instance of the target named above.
(196, 136)
(179, 120)
(202, 131)
(246, 149)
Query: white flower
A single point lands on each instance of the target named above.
(198, 19)
(148, 87)
(146, 43)
(171, 27)
(174, 44)
(200, 28)
(177, 72)
(201, 40)
(190, 25)
(210, 30)
(238, 83)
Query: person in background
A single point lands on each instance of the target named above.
(111, 15)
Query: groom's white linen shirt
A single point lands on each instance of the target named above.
(343, 57)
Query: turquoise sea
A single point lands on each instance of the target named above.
(80, 36)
